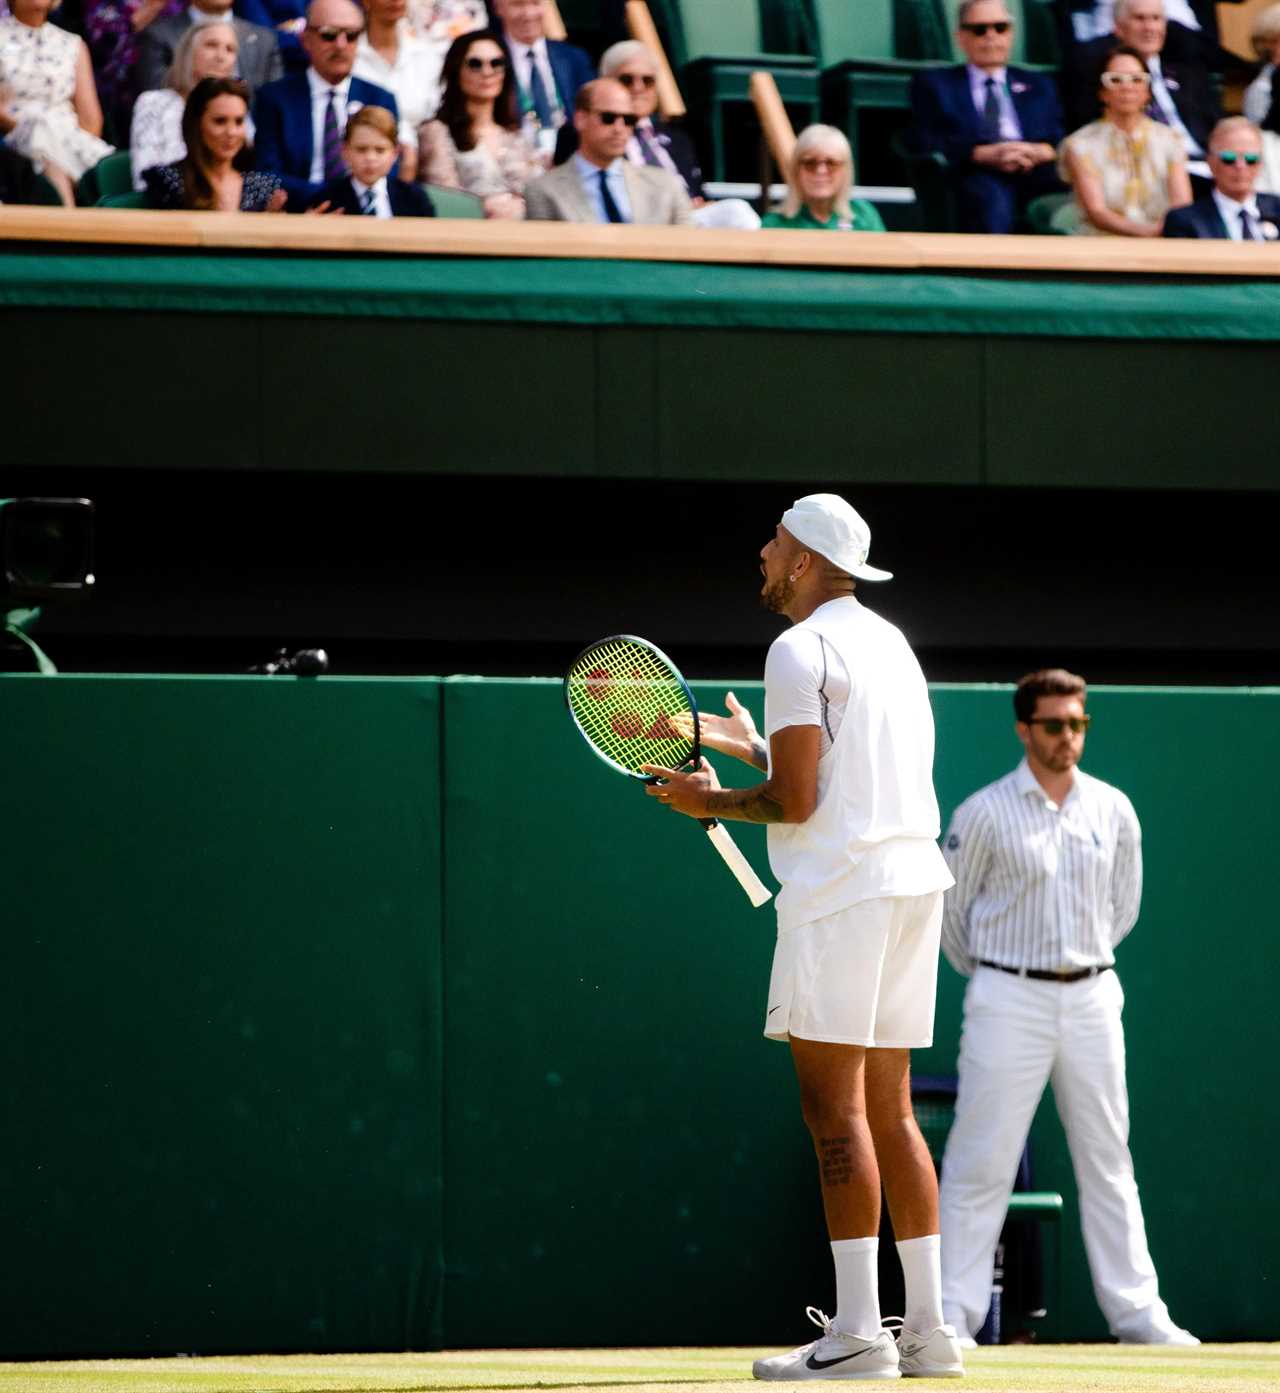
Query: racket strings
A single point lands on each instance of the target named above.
(624, 697)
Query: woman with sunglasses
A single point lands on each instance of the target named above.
(818, 183)
(475, 142)
(390, 56)
(1126, 170)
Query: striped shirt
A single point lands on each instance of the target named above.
(1040, 885)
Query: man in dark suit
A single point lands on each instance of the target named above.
(1232, 211)
(548, 73)
(1193, 29)
(300, 118)
(998, 127)
(258, 62)
(1181, 91)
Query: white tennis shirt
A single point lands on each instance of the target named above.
(874, 831)
(1040, 884)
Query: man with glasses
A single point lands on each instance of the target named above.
(996, 127)
(300, 119)
(1232, 210)
(598, 185)
(258, 58)
(1048, 868)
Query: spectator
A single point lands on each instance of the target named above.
(258, 60)
(1193, 27)
(300, 118)
(217, 171)
(49, 108)
(1180, 94)
(1265, 37)
(369, 149)
(476, 142)
(113, 29)
(597, 185)
(548, 73)
(655, 142)
(439, 22)
(1126, 169)
(1233, 210)
(997, 127)
(818, 182)
(155, 137)
(391, 57)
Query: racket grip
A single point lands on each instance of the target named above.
(719, 836)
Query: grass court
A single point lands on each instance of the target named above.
(1235, 1368)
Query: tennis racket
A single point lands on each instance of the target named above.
(631, 705)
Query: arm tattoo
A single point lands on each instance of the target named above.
(759, 754)
(745, 804)
(835, 1156)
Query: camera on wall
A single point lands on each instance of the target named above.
(46, 556)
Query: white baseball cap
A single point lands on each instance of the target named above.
(825, 523)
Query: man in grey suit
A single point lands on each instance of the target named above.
(597, 185)
(258, 63)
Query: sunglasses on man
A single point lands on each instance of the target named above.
(607, 118)
(1231, 156)
(995, 26)
(330, 35)
(486, 65)
(1054, 725)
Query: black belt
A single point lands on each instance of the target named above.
(1036, 975)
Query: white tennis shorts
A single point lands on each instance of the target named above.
(867, 975)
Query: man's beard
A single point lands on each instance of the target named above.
(776, 597)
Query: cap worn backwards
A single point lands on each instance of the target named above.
(825, 523)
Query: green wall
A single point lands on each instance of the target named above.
(379, 1014)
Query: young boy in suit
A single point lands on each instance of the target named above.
(369, 148)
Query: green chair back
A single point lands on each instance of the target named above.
(847, 29)
(714, 28)
(455, 203)
(123, 200)
(115, 174)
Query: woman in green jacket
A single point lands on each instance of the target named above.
(818, 184)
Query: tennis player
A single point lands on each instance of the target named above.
(853, 827)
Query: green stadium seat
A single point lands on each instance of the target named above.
(1052, 215)
(454, 203)
(115, 174)
(123, 200)
(867, 52)
(717, 45)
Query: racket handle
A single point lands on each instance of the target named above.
(737, 862)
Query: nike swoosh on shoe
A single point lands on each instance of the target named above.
(813, 1362)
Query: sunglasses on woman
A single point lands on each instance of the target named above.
(1231, 156)
(997, 26)
(486, 65)
(1125, 79)
(1054, 725)
(637, 79)
(821, 162)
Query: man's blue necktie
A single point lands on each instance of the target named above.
(611, 209)
(538, 92)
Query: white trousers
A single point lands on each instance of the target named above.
(1018, 1035)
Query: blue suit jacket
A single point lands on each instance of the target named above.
(570, 67)
(1202, 219)
(283, 142)
(947, 121)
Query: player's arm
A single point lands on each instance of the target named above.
(789, 794)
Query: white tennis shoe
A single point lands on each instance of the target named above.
(833, 1355)
(932, 1355)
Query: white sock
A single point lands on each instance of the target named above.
(857, 1287)
(922, 1275)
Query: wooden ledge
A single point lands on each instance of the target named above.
(900, 251)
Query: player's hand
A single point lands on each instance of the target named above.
(734, 734)
(683, 793)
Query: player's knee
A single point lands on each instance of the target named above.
(827, 1116)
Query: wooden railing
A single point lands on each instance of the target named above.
(22, 228)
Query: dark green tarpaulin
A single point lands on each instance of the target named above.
(646, 294)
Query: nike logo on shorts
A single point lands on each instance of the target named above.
(813, 1362)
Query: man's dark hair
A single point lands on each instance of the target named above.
(1048, 681)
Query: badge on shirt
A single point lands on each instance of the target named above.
(953, 842)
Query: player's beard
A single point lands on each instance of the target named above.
(776, 597)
